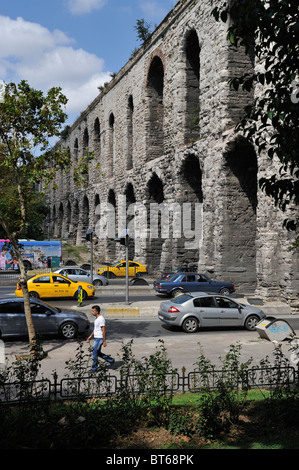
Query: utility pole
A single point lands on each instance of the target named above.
(124, 240)
(89, 238)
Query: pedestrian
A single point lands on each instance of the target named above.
(3, 258)
(99, 335)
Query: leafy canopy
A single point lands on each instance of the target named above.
(28, 122)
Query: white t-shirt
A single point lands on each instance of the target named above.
(98, 323)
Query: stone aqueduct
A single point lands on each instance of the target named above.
(162, 132)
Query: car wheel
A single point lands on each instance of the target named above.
(224, 291)
(176, 292)
(251, 322)
(190, 325)
(33, 295)
(97, 282)
(68, 330)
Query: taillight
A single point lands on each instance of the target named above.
(18, 286)
(173, 310)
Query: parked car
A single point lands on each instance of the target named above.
(78, 274)
(192, 282)
(48, 320)
(119, 269)
(184, 269)
(191, 312)
(49, 285)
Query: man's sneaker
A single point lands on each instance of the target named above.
(111, 360)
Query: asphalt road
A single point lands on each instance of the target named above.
(146, 335)
(8, 291)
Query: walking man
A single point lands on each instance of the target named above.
(99, 335)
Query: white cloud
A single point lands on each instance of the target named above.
(20, 38)
(79, 97)
(60, 65)
(45, 59)
(80, 7)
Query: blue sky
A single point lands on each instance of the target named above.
(74, 44)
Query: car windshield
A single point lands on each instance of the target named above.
(49, 305)
(181, 299)
(173, 278)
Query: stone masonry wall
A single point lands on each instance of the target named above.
(162, 133)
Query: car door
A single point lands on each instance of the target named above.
(188, 282)
(229, 312)
(133, 269)
(12, 319)
(44, 319)
(120, 269)
(207, 311)
(61, 286)
(81, 275)
(203, 283)
(42, 285)
(68, 272)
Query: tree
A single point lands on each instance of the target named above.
(28, 121)
(143, 30)
(36, 204)
(271, 122)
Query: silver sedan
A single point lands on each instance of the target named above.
(193, 311)
(81, 275)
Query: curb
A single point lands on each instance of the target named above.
(150, 309)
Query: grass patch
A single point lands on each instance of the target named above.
(76, 253)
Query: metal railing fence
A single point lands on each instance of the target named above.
(104, 385)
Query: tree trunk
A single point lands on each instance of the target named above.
(23, 284)
(27, 308)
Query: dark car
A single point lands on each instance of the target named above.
(48, 320)
(191, 312)
(192, 282)
(184, 269)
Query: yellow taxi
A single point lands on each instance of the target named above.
(48, 285)
(119, 269)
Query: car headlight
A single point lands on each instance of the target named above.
(90, 287)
